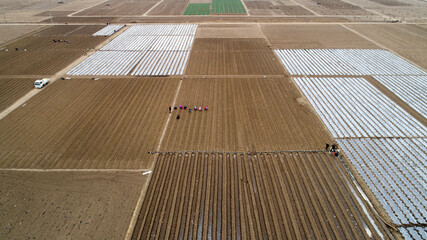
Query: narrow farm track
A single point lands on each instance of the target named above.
(85, 125)
(292, 195)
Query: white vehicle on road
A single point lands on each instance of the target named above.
(41, 82)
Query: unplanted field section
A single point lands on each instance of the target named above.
(108, 123)
(108, 30)
(243, 113)
(228, 56)
(309, 36)
(395, 171)
(65, 205)
(11, 89)
(290, 195)
(69, 30)
(269, 8)
(118, 8)
(355, 108)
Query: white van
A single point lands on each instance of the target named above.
(41, 82)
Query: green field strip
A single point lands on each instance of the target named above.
(227, 6)
(198, 9)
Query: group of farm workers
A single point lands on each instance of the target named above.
(181, 107)
(332, 149)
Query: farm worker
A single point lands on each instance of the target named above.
(333, 148)
(180, 106)
(170, 109)
(189, 110)
(195, 108)
(177, 117)
(206, 108)
(175, 108)
(16, 49)
(327, 146)
(200, 108)
(185, 107)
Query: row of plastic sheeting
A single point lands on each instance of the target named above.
(411, 89)
(109, 30)
(416, 233)
(395, 171)
(142, 50)
(352, 107)
(345, 62)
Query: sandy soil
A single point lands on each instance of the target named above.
(333, 7)
(274, 8)
(70, 30)
(11, 89)
(115, 7)
(265, 113)
(169, 7)
(239, 196)
(67, 205)
(229, 31)
(410, 41)
(313, 36)
(237, 56)
(11, 32)
(109, 123)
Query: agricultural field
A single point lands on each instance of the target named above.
(70, 30)
(86, 125)
(232, 56)
(274, 8)
(198, 9)
(333, 7)
(243, 113)
(408, 40)
(169, 7)
(10, 33)
(289, 195)
(227, 7)
(118, 7)
(229, 31)
(11, 89)
(313, 36)
(65, 205)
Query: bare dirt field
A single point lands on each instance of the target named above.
(274, 8)
(229, 31)
(39, 55)
(232, 56)
(313, 36)
(81, 20)
(408, 40)
(244, 113)
(333, 7)
(11, 32)
(54, 13)
(115, 7)
(108, 123)
(169, 7)
(238, 196)
(67, 205)
(13, 89)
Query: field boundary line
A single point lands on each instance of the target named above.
(73, 170)
(306, 8)
(149, 10)
(380, 45)
(81, 10)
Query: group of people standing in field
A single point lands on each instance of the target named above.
(181, 107)
(332, 149)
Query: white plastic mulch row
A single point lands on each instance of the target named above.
(411, 89)
(162, 30)
(395, 171)
(108, 63)
(416, 233)
(157, 63)
(108, 30)
(345, 62)
(352, 107)
(140, 43)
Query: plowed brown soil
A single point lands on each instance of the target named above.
(118, 7)
(229, 31)
(169, 7)
(274, 8)
(12, 89)
(238, 196)
(67, 205)
(212, 56)
(408, 40)
(313, 36)
(265, 113)
(70, 30)
(11, 32)
(333, 7)
(39, 55)
(109, 123)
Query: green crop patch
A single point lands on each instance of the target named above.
(198, 9)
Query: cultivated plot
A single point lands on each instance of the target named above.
(395, 171)
(411, 89)
(243, 113)
(109, 123)
(352, 107)
(228, 56)
(290, 195)
(152, 50)
(69, 30)
(413, 232)
(345, 62)
(227, 7)
(198, 9)
(65, 205)
(11, 89)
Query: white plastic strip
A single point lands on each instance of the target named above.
(108, 30)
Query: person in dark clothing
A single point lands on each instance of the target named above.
(327, 146)
(333, 148)
(170, 109)
(175, 108)
(16, 49)
(177, 117)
